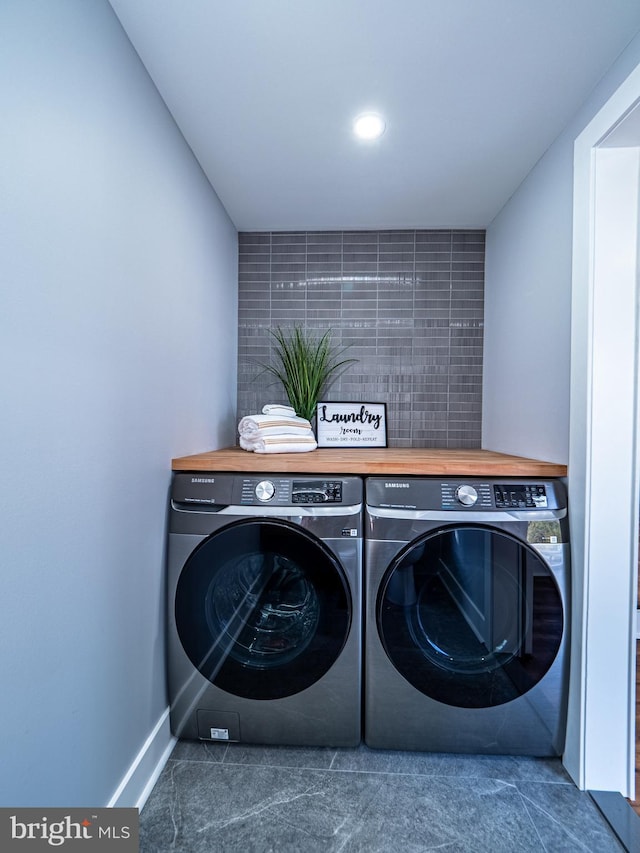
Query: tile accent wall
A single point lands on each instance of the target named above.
(408, 304)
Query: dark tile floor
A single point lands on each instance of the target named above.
(226, 798)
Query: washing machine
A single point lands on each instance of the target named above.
(265, 608)
(467, 615)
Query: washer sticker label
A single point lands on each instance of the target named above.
(219, 734)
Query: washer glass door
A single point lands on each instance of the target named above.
(262, 608)
(470, 616)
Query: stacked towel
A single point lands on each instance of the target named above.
(280, 443)
(256, 426)
(279, 409)
(277, 430)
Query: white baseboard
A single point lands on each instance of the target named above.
(142, 775)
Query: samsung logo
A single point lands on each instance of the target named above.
(203, 480)
(396, 485)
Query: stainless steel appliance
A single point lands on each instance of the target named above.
(467, 598)
(264, 617)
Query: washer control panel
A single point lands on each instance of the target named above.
(316, 491)
(265, 490)
(215, 491)
(274, 490)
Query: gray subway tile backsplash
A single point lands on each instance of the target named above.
(409, 304)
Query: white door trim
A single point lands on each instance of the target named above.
(603, 459)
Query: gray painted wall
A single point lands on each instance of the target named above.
(526, 397)
(118, 344)
(408, 304)
(528, 298)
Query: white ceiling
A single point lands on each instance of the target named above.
(473, 91)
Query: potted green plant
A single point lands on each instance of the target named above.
(305, 365)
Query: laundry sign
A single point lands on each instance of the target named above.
(351, 424)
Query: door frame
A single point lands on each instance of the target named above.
(604, 457)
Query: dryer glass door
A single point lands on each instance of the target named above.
(470, 616)
(262, 609)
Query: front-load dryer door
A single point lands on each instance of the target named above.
(262, 609)
(470, 616)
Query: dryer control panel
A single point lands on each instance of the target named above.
(469, 495)
(521, 497)
(495, 495)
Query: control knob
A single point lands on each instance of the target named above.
(265, 490)
(466, 495)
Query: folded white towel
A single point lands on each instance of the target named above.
(279, 409)
(285, 443)
(276, 430)
(251, 425)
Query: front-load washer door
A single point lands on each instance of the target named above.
(470, 616)
(262, 609)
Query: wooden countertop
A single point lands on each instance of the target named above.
(387, 460)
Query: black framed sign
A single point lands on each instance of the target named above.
(351, 424)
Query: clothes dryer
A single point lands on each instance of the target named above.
(264, 616)
(467, 615)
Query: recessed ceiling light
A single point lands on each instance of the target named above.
(369, 126)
